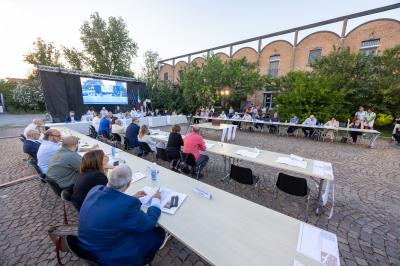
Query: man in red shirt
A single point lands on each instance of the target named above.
(193, 143)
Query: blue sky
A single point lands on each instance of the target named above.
(170, 27)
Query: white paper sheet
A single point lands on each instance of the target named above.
(318, 244)
(247, 153)
(137, 176)
(291, 162)
(166, 195)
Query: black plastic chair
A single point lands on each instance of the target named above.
(190, 161)
(162, 154)
(57, 190)
(116, 137)
(292, 185)
(72, 243)
(41, 176)
(66, 197)
(146, 149)
(243, 176)
(92, 132)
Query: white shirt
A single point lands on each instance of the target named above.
(360, 115)
(146, 138)
(96, 123)
(46, 151)
(247, 117)
(103, 112)
(222, 116)
(117, 129)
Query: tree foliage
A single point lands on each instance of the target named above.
(42, 54)
(75, 58)
(149, 70)
(107, 45)
(29, 96)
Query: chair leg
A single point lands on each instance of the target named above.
(65, 214)
(45, 194)
(54, 206)
(308, 201)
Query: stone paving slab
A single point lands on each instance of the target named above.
(366, 218)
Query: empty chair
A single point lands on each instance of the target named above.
(146, 149)
(72, 243)
(292, 185)
(243, 176)
(92, 132)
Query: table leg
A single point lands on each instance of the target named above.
(319, 200)
(374, 137)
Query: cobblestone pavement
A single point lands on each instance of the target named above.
(366, 218)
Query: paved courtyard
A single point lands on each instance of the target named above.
(367, 202)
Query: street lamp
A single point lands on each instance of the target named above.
(224, 92)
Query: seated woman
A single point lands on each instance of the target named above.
(92, 174)
(222, 116)
(144, 136)
(330, 133)
(175, 142)
(354, 134)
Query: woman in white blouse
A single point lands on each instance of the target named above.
(144, 136)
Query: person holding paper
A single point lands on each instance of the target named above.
(193, 143)
(311, 121)
(112, 226)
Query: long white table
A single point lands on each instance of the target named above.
(226, 130)
(374, 133)
(269, 159)
(226, 230)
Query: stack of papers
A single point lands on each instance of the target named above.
(322, 169)
(318, 244)
(166, 195)
(248, 153)
(292, 162)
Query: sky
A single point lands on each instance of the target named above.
(170, 27)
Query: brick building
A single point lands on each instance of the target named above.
(277, 58)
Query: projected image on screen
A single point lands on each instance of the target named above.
(101, 91)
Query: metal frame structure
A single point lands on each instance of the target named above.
(84, 73)
(296, 30)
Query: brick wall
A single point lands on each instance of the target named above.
(284, 49)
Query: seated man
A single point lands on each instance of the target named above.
(193, 143)
(117, 127)
(310, 121)
(275, 119)
(222, 116)
(104, 126)
(293, 120)
(32, 144)
(396, 130)
(65, 164)
(132, 133)
(37, 124)
(112, 226)
(48, 148)
(71, 117)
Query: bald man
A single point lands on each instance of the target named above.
(37, 124)
(65, 164)
(48, 148)
(32, 144)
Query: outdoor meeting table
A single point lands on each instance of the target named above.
(224, 128)
(226, 230)
(374, 133)
(266, 158)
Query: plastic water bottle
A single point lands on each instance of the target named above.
(113, 151)
(153, 172)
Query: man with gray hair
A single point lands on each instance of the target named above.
(37, 124)
(65, 164)
(112, 226)
(48, 148)
(193, 143)
(32, 144)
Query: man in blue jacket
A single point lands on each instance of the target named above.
(132, 133)
(104, 126)
(113, 228)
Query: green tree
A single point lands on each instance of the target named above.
(42, 54)
(6, 88)
(302, 93)
(108, 47)
(75, 58)
(149, 70)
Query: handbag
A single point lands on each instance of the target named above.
(58, 234)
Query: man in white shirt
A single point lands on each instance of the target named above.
(311, 121)
(103, 111)
(37, 124)
(222, 115)
(48, 148)
(96, 121)
(118, 128)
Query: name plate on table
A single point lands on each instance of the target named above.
(247, 153)
(318, 244)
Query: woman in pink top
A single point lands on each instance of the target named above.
(193, 143)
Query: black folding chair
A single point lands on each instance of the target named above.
(162, 154)
(66, 197)
(295, 186)
(116, 137)
(72, 243)
(57, 190)
(92, 132)
(22, 137)
(41, 176)
(146, 150)
(188, 160)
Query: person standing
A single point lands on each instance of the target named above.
(369, 119)
(104, 126)
(103, 111)
(360, 114)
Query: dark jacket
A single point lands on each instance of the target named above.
(31, 147)
(69, 120)
(104, 126)
(131, 134)
(113, 228)
(174, 145)
(84, 182)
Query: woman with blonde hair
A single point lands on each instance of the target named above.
(144, 136)
(92, 173)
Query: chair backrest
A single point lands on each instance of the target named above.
(190, 159)
(22, 139)
(92, 132)
(37, 168)
(22, 136)
(242, 175)
(162, 154)
(104, 134)
(145, 147)
(72, 243)
(127, 144)
(54, 186)
(67, 197)
(292, 185)
(116, 137)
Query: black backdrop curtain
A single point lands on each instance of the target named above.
(62, 93)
